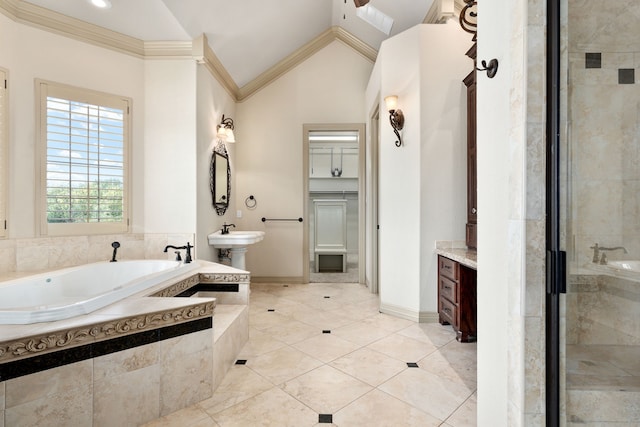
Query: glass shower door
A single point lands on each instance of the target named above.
(600, 209)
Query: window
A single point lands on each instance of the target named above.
(84, 171)
(4, 142)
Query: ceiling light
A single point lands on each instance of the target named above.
(102, 4)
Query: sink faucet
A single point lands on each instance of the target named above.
(603, 258)
(225, 228)
(187, 258)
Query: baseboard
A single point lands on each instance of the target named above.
(271, 279)
(400, 312)
(403, 313)
(429, 317)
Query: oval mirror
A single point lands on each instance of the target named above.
(220, 179)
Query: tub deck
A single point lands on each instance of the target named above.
(194, 341)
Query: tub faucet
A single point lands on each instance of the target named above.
(115, 246)
(596, 253)
(225, 228)
(187, 258)
(602, 259)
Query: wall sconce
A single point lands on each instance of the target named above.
(225, 130)
(396, 118)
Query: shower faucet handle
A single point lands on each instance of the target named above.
(596, 253)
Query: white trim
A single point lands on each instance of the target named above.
(443, 10)
(48, 20)
(300, 55)
(400, 312)
(403, 313)
(43, 89)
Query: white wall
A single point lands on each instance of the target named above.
(326, 88)
(502, 194)
(443, 171)
(422, 184)
(493, 190)
(212, 102)
(399, 175)
(170, 148)
(29, 53)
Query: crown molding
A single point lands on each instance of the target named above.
(300, 55)
(202, 53)
(442, 10)
(198, 49)
(45, 19)
(168, 49)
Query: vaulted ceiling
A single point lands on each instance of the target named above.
(247, 36)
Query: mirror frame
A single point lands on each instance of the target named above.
(219, 151)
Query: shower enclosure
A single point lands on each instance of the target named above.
(600, 212)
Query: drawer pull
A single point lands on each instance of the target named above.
(446, 310)
(447, 288)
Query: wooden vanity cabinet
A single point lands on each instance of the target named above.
(472, 205)
(457, 298)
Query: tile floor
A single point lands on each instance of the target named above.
(322, 354)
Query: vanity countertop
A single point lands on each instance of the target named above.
(459, 253)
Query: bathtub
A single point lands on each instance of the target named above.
(74, 291)
(627, 269)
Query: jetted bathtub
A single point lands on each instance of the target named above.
(74, 291)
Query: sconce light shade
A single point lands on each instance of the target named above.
(396, 118)
(225, 130)
(221, 133)
(230, 136)
(392, 102)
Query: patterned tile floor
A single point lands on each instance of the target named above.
(322, 354)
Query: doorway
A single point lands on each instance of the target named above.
(334, 203)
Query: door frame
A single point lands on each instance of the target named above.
(556, 282)
(372, 154)
(311, 127)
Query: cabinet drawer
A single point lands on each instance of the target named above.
(448, 268)
(448, 289)
(448, 311)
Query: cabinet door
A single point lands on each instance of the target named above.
(472, 206)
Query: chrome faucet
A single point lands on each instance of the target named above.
(602, 259)
(187, 258)
(225, 228)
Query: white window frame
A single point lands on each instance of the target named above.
(4, 149)
(45, 89)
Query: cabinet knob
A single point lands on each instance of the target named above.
(474, 210)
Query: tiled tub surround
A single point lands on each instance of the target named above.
(52, 253)
(132, 361)
(603, 127)
(603, 348)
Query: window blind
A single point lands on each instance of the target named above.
(86, 155)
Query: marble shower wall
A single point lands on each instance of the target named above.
(603, 128)
(48, 253)
(603, 310)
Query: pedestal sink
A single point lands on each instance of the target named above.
(237, 241)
